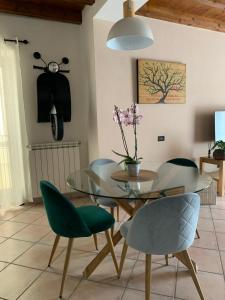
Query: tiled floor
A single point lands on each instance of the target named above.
(26, 241)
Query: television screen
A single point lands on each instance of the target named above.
(220, 125)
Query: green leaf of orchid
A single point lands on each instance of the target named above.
(122, 155)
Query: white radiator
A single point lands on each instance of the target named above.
(53, 162)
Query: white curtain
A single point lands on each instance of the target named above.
(15, 187)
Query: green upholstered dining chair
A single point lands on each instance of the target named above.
(68, 221)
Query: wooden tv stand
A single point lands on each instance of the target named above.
(221, 178)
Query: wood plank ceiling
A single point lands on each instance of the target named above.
(208, 14)
(57, 10)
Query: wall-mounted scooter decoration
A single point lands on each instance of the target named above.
(53, 93)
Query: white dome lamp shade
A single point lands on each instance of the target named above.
(129, 33)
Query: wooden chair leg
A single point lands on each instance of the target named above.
(53, 249)
(95, 241)
(112, 213)
(111, 247)
(123, 256)
(197, 233)
(185, 258)
(118, 213)
(148, 263)
(66, 264)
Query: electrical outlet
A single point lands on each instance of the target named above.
(161, 138)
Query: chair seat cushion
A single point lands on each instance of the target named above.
(125, 228)
(96, 218)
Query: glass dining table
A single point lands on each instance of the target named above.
(153, 182)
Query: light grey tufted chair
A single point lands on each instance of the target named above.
(103, 168)
(161, 227)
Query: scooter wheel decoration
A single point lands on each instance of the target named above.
(57, 127)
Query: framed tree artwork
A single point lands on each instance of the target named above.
(161, 82)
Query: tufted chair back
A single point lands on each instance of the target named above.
(166, 225)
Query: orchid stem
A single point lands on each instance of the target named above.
(122, 132)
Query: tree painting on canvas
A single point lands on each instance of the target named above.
(161, 82)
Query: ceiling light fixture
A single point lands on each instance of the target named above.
(129, 33)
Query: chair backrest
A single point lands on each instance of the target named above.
(103, 167)
(174, 173)
(166, 225)
(63, 216)
(180, 161)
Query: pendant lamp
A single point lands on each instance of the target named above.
(129, 33)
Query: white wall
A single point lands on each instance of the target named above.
(187, 127)
(88, 75)
(53, 40)
(100, 78)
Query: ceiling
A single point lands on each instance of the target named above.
(112, 10)
(57, 10)
(208, 14)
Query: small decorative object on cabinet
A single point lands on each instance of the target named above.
(219, 153)
(129, 117)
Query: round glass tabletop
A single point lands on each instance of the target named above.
(111, 181)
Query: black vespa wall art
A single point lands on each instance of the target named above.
(53, 96)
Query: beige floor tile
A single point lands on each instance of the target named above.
(78, 261)
(102, 274)
(89, 290)
(131, 252)
(49, 240)
(42, 221)
(2, 265)
(47, 287)
(32, 233)
(8, 229)
(37, 208)
(206, 260)
(213, 286)
(37, 256)
(159, 259)
(163, 278)
(219, 226)
(207, 240)
(222, 255)
(87, 243)
(138, 295)
(27, 217)
(221, 241)
(205, 224)
(220, 203)
(15, 279)
(218, 214)
(11, 249)
(2, 239)
(8, 214)
(205, 212)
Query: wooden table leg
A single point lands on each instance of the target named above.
(100, 256)
(201, 166)
(124, 204)
(221, 179)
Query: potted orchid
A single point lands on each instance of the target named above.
(219, 152)
(129, 117)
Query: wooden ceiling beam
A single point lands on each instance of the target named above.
(171, 15)
(212, 3)
(45, 11)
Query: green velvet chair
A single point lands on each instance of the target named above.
(68, 221)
